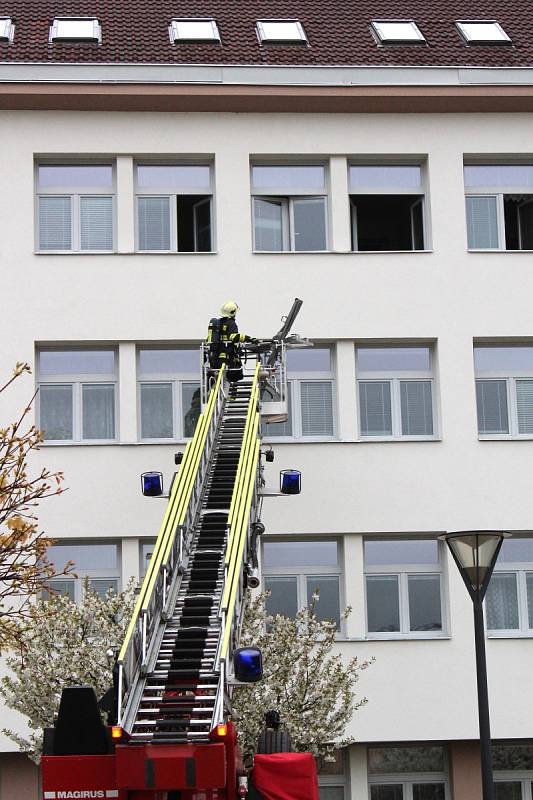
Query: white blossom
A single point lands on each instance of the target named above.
(313, 690)
(62, 644)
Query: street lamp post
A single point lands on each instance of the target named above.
(475, 553)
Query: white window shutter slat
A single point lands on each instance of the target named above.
(417, 408)
(482, 222)
(524, 402)
(96, 223)
(375, 408)
(55, 223)
(492, 413)
(317, 408)
(154, 223)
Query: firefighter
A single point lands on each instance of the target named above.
(224, 342)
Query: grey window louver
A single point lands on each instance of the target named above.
(492, 413)
(375, 408)
(417, 412)
(317, 408)
(154, 223)
(482, 222)
(524, 403)
(96, 223)
(55, 223)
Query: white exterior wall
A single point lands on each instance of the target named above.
(417, 690)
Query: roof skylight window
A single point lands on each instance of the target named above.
(284, 31)
(397, 32)
(7, 29)
(75, 29)
(194, 30)
(483, 32)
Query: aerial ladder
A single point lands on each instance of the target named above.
(180, 660)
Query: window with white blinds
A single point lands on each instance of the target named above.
(174, 207)
(403, 579)
(311, 396)
(75, 207)
(77, 394)
(509, 600)
(395, 388)
(504, 390)
(499, 206)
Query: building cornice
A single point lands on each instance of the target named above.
(169, 87)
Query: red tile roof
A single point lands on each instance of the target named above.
(136, 31)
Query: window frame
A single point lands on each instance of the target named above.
(147, 541)
(264, 39)
(523, 777)
(510, 377)
(409, 779)
(498, 193)
(174, 38)
(287, 198)
(96, 38)
(77, 381)
(176, 380)
(301, 573)
(403, 572)
(395, 379)
(92, 574)
(172, 194)
(337, 780)
(8, 32)
(75, 193)
(294, 381)
(421, 194)
(505, 39)
(382, 39)
(520, 570)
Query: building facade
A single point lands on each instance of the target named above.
(389, 184)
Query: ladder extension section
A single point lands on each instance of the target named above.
(172, 666)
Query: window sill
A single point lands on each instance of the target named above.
(306, 440)
(370, 439)
(92, 443)
(496, 250)
(504, 437)
(509, 634)
(120, 253)
(169, 253)
(76, 252)
(406, 637)
(339, 252)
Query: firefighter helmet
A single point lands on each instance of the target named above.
(229, 309)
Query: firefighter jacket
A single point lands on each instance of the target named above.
(224, 339)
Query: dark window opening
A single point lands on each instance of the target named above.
(194, 223)
(518, 216)
(387, 222)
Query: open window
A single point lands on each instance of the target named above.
(174, 208)
(289, 207)
(387, 207)
(499, 206)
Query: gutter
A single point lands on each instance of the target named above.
(252, 75)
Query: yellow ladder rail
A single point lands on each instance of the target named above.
(173, 514)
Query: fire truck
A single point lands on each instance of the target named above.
(174, 677)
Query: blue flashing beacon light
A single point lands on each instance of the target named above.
(248, 664)
(290, 481)
(152, 484)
